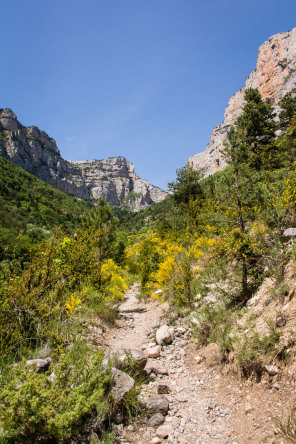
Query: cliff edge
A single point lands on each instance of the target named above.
(113, 178)
(274, 76)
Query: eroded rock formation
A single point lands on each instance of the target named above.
(274, 76)
(113, 178)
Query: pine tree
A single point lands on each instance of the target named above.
(237, 156)
(186, 186)
(257, 128)
(288, 105)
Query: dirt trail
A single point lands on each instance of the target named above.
(136, 320)
(208, 403)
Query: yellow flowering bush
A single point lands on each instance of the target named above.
(72, 304)
(113, 281)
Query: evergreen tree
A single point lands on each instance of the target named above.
(237, 156)
(188, 196)
(286, 145)
(257, 128)
(288, 105)
(186, 187)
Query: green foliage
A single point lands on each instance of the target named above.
(257, 126)
(3, 137)
(61, 277)
(288, 105)
(187, 185)
(101, 221)
(286, 144)
(254, 350)
(215, 324)
(30, 209)
(149, 259)
(36, 408)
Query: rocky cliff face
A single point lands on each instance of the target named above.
(113, 178)
(274, 76)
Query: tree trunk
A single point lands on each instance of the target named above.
(245, 287)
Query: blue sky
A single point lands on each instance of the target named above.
(145, 79)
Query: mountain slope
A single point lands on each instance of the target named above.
(274, 76)
(113, 178)
(31, 207)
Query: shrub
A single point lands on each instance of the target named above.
(215, 325)
(254, 351)
(38, 408)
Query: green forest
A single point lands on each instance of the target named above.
(65, 263)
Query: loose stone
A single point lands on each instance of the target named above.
(156, 420)
(164, 431)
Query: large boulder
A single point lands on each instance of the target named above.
(164, 335)
(126, 359)
(122, 384)
(39, 365)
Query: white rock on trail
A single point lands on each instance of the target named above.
(156, 440)
(156, 420)
(272, 370)
(153, 352)
(164, 335)
(164, 431)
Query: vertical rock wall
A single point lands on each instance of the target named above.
(274, 76)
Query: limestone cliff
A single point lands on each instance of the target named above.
(113, 178)
(274, 76)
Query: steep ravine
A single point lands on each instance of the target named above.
(208, 402)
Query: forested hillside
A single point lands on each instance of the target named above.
(30, 209)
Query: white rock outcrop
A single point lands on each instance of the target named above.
(113, 178)
(274, 76)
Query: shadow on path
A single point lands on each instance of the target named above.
(135, 310)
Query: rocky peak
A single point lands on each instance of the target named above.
(274, 76)
(113, 178)
(8, 120)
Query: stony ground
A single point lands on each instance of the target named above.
(208, 403)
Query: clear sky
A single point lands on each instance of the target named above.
(145, 79)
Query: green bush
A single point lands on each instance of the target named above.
(254, 351)
(215, 325)
(35, 408)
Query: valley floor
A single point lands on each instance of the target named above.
(209, 403)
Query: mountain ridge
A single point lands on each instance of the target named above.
(274, 76)
(113, 178)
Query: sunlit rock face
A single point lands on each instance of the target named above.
(274, 76)
(113, 178)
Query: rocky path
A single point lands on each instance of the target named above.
(205, 406)
(136, 320)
